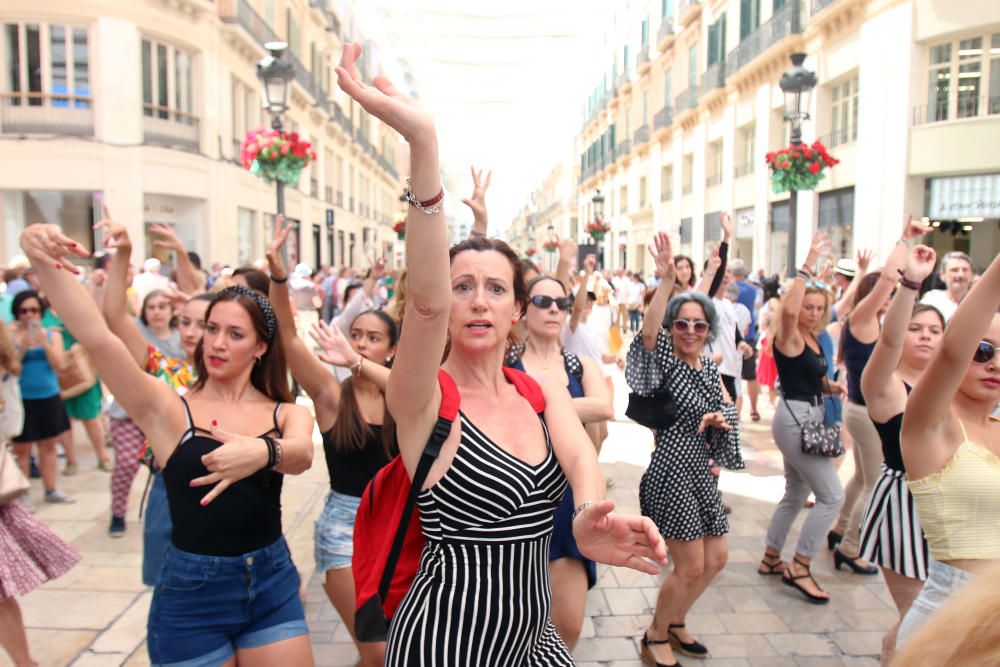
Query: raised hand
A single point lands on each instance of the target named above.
(726, 222)
(920, 263)
(826, 275)
(383, 100)
(567, 250)
(238, 457)
(477, 202)
(275, 263)
(663, 253)
(47, 245)
(589, 263)
(335, 349)
(115, 234)
(914, 229)
(714, 420)
(819, 247)
(378, 267)
(167, 238)
(617, 539)
(865, 258)
(714, 263)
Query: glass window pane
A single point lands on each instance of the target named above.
(692, 66)
(971, 48)
(12, 55)
(969, 81)
(57, 51)
(939, 88)
(147, 77)
(994, 101)
(34, 63)
(162, 98)
(941, 54)
(81, 67)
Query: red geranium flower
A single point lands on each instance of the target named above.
(786, 164)
(814, 167)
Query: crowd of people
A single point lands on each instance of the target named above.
(196, 372)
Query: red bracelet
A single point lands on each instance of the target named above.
(907, 283)
(430, 206)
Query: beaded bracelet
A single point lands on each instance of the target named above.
(581, 507)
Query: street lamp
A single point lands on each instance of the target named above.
(551, 232)
(598, 201)
(275, 74)
(797, 85)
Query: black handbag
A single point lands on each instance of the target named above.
(658, 411)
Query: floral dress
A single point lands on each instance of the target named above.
(678, 491)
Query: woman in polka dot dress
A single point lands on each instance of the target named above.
(678, 491)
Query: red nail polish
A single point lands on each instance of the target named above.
(58, 265)
(191, 483)
(203, 502)
(214, 423)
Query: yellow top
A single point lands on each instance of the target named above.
(959, 505)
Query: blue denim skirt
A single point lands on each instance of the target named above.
(206, 607)
(334, 534)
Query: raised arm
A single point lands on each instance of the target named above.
(116, 292)
(370, 282)
(477, 202)
(712, 268)
(928, 429)
(188, 279)
(413, 395)
(149, 401)
(843, 307)
(663, 257)
(788, 338)
(884, 395)
(567, 253)
(308, 371)
(726, 222)
(580, 301)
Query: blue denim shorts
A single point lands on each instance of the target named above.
(155, 531)
(334, 535)
(206, 607)
(942, 582)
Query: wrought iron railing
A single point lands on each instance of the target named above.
(684, 6)
(820, 5)
(643, 56)
(339, 200)
(713, 179)
(663, 118)
(314, 188)
(786, 21)
(44, 113)
(745, 169)
(623, 79)
(245, 16)
(839, 137)
(686, 100)
(624, 148)
(169, 127)
(969, 107)
(328, 194)
(666, 29)
(641, 135)
(713, 78)
(666, 195)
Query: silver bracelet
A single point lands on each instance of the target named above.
(581, 507)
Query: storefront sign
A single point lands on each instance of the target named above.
(964, 197)
(744, 223)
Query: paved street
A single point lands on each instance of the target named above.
(96, 614)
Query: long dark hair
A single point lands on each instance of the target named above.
(21, 297)
(692, 280)
(270, 376)
(350, 432)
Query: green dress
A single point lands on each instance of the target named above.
(88, 404)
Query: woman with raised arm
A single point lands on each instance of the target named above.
(678, 491)
(802, 370)
(860, 332)
(481, 594)
(228, 586)
(477, 201)
(951, 448)
(542, 354)
(891, 536)
(357, 431)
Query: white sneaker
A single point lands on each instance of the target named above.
(57, 496)
(26, 502)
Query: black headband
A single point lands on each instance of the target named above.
(265, 306)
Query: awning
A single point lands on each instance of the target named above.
(964, 197)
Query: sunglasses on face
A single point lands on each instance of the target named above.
(29, 311)
(700, 327)
(984, 353)
(544, 302)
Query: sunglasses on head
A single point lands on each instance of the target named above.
(817, 283)
(984, 353)
(700, 327)
(562, 303)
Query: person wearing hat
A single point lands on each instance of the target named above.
(844, 273)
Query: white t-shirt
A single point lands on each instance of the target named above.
(939, 299)
(725, 341)
(636, 290)
(581, 342)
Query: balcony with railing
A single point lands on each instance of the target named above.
(665, 35)
(663, 118)
(170, 128)
(256, 29)
(714, 78)
(844, 135)
(44, 113)
(314, 188)
(966, 107)
(713, 179)
(339, 200)
(666, 195)
(642, 63)
(342, 120)
(745, 169)
(624, 148)
(820, 5)
(688, 11)
(624, 80)
(641, 136)
(328, 194)
(686, 100)
(786, 21)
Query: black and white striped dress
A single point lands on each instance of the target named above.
(482, 593)
(891, 536)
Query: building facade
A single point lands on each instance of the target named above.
(549, 213)
(675, 131)
(141, 107)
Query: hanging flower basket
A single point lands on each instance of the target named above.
(550, 246)
(597, 229)
(799, 167)
(400, 229)
(530, 252)
(276, 156)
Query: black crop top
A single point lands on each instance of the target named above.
(889, 433)
(350, 472)
(243, 518)
(802, 376)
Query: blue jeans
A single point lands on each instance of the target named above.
(206, 607)
(942, 581)
(155, 532)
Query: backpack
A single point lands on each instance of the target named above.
(388, 540)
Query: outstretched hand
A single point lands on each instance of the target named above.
(726, 222)
(619, 539)
(335, 349)
(914, 229)
(920, 263)
(275, 264)
(662, 252)
(477, 202)
(238, 457)
(383, 100)
(820, 246)
(714, 420)
(167, 238)
(115, 234)
(47, 245)
(864, 260)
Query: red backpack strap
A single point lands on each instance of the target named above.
(449, 396)
(527, 387)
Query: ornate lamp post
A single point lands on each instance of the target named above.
(797, 85)
(276, 74)
(598, 201)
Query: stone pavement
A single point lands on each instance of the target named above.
(96, 614)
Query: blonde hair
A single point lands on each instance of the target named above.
(10, 360)
(965, 630)
(397, 305)
(810, 289)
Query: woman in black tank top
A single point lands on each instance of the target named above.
(224, 453)
(358, 432)
(891, 536)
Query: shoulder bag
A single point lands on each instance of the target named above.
(77, 374)
(819, 439)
